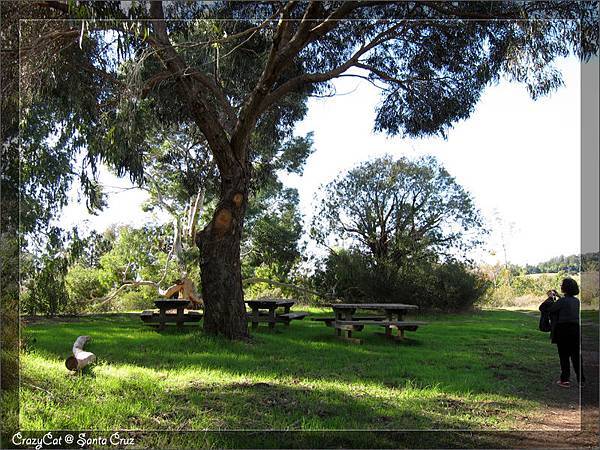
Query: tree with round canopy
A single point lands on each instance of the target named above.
(398, 210)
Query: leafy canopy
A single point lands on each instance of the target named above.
(110, 86)
(398, 210)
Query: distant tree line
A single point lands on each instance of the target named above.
(572, 264)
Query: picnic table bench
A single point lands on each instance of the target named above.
(345, 322)
(161, 317)
(265, 310)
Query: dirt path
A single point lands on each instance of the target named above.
(569, 421)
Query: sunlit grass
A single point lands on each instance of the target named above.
(484, 370)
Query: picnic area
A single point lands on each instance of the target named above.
(479, 371)
(296, 224)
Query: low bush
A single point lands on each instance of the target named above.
(83, 286)
(357, 278)
(529, 290)
(140, 298)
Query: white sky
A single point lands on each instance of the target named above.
(520, 160)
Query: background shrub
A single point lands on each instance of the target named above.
(83, 285)
(357, 278)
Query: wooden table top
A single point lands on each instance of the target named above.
(269, 302)
(373, 306)
(170, 303)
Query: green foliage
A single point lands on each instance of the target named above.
(87, 251)
(507, 289)
(262, 290)
(46, 293)
(139, 254)
(83, 284)
(136, 254)
(355, 277)
(587, 262)
(134, 300)
(72, 273)
(43, 275)
(569, 264)
(457, 286)
(272, 234)
(400, 210)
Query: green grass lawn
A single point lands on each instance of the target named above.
(487, 370)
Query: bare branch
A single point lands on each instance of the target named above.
(128, 285)
(194, 213)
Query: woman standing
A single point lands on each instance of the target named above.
(564, 316)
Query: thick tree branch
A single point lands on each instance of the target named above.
(201, 107)
(296, 83)
(177, 245)
(279, 56)
(194, 213)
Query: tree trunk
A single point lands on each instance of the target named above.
(219, 244)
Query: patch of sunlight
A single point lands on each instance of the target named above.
(125, 371)
(41, 362)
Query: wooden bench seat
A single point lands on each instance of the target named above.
(284, 318)
(358, 323)
(385, 323)
(292, 316)
(360, 318)
(153, 317)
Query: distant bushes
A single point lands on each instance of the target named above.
(354, 277)
(457, 286)
(590, 287)
(45, 291)
(505, 289)
(83, 284)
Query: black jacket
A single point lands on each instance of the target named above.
(553, 316)
(567, 309)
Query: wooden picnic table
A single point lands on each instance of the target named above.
(345, 321)
(161, 318)
(265, 310)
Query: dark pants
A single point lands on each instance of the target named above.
(569, 350)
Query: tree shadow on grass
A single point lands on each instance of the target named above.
(325, 439)
(440, 356)
(259, 405)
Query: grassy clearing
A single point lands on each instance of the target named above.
(486, 370)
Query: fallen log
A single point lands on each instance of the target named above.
(80, 357)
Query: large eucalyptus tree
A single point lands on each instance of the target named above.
(105, 72)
